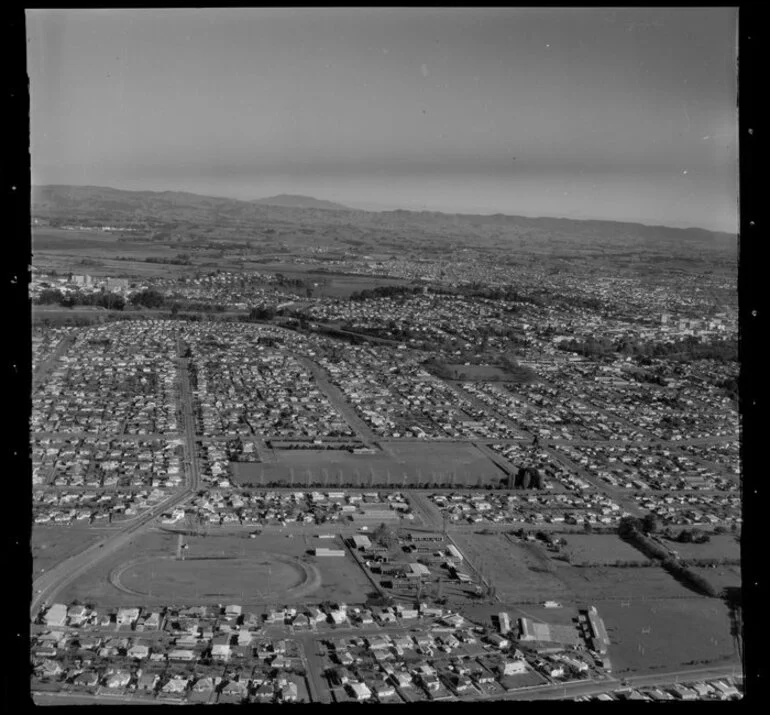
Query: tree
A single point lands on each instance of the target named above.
(650, 523)
(148, 298)
(628, 525)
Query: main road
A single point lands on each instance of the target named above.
(45, 587)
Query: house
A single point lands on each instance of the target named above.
(182, 654)
(127, 616)
(498, 641)
(455, 620)
(50, 669)
(401, 678)
(204, 685)
(77, 614)
(289, 692)
(234, 691)
(138, 652)
(220, 651)
(339, 617)
(513, 667)
(359, 691)
(56, 615)
(378, 642)
(87, 679)
(233, 611)
(176, 685)
(264, 693)
(118, 679)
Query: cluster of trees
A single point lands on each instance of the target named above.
(385, 536)
(103, 299)
(687, 350)
(285, 282)
(182, 259)
(385, 292)
(731, 387)
(262, 312)
(527, 478)
(688, 536)
(480, 290)
(148, 298)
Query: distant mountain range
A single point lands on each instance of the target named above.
(97, 203)
(300, 202)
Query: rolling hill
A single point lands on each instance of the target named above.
(300, 202)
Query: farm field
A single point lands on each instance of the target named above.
(720, 576)
(680, 631)
(270, 569)
(601, 549)
(477, 373)
(608, 584)
(519, 573)
(50, 545)
(413, 464)
(57, 239)
(721, 546)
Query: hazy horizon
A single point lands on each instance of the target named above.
(374, 207)
(609, 114)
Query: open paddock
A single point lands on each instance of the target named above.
(610, 584)
(601, 549)
(52, 544)
(57, 239)
(270, 569)
(720, 576)
(519, 574)
(721, 546)
(661, 635)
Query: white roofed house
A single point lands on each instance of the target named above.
(117, 679)
(127, 616)
(513, 667)
(56, 615)
(138, 651)
(359, 691)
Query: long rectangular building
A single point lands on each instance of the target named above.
(599, 635)
(329, 552)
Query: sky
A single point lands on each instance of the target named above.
(622, 114)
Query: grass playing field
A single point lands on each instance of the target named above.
(270, 569)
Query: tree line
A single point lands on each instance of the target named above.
(631, 529)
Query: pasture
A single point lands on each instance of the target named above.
(57, 239)
(609, 584)
(52, 544)
(721, 546)
(518, 572)
(720, 576)
(601, 549)
(268, 570)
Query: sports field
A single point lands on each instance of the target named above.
(411, 464)
(657, 635)
(269, 569)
